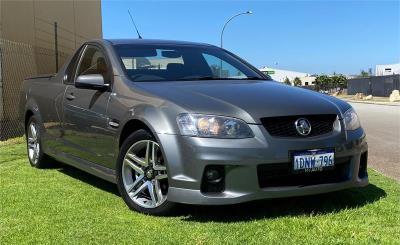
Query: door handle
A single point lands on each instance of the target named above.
(70, 96)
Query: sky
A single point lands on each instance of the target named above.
(306, 36)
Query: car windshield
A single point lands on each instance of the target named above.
(182, 63)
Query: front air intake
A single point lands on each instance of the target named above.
(362, 171)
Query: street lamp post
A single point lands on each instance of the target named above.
(222, 33)
(223, 29)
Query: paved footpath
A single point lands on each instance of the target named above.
(382, 125)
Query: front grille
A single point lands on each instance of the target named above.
(285, 127)
(281, 174)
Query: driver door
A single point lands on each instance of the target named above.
(85, 112)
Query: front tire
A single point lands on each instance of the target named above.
(142, 177)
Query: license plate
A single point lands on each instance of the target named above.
(313, 160)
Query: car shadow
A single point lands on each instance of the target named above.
(89, 179)
(265, 209)
(286, 207)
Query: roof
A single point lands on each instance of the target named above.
(155, 41)
(295, 73)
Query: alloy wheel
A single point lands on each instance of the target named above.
(144, 174)
(33, 143)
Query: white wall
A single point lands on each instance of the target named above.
(389, 69)
(280, 75)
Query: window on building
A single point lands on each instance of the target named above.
(306, 83)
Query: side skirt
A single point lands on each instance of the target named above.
(89, 167)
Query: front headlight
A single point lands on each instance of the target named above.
(213, 126)
(351, 120)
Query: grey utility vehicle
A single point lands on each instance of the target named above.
(178, 122)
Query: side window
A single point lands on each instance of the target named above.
(221, 68)
(69, 72)
(93, 61)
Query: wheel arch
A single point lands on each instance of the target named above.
(131, 126)
(31, 109)
(28, 115)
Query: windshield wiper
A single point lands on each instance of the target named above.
(250, 78)
(196, 78)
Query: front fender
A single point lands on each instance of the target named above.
(159, 120)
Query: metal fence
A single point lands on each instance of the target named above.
(376, 86)
(17, 61)
(53, 44)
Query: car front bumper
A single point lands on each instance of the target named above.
(187, 158)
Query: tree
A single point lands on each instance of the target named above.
(327, 83)
(287, 81)
(370, 71)
(364, 73)
(296, 82)
(339, 81)
(322, 82)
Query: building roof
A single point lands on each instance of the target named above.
(293, 73)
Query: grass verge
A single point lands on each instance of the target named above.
(64, 205)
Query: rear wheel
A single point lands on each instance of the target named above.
(142, 175)
(36, 156)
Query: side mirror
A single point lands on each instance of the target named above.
(91, 81)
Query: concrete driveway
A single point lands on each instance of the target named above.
(382, 125)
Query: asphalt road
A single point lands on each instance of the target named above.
(382, 126)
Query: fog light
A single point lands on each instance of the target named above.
(213, 179)
(213, 175)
